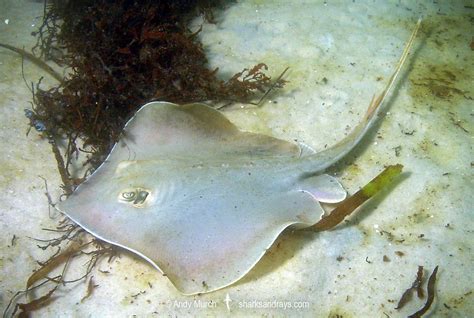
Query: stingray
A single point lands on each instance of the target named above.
(201, 200)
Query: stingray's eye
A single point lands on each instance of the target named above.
(141, 197)
(129, 195)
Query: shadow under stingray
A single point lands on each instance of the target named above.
(285, 247)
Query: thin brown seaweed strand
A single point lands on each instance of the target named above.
(416, 285)
(431, 289)
(35, 60)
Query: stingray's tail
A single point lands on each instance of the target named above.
(331, 155)
(376, 102)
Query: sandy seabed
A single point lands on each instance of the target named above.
(340, 54)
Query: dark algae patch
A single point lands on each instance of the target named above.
(439, 81)
(441, 77)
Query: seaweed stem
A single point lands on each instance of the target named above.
(35, 60)
(67, 184)
(347, 206)
(277, 82)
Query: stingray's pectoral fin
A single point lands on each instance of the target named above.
(323, 188)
